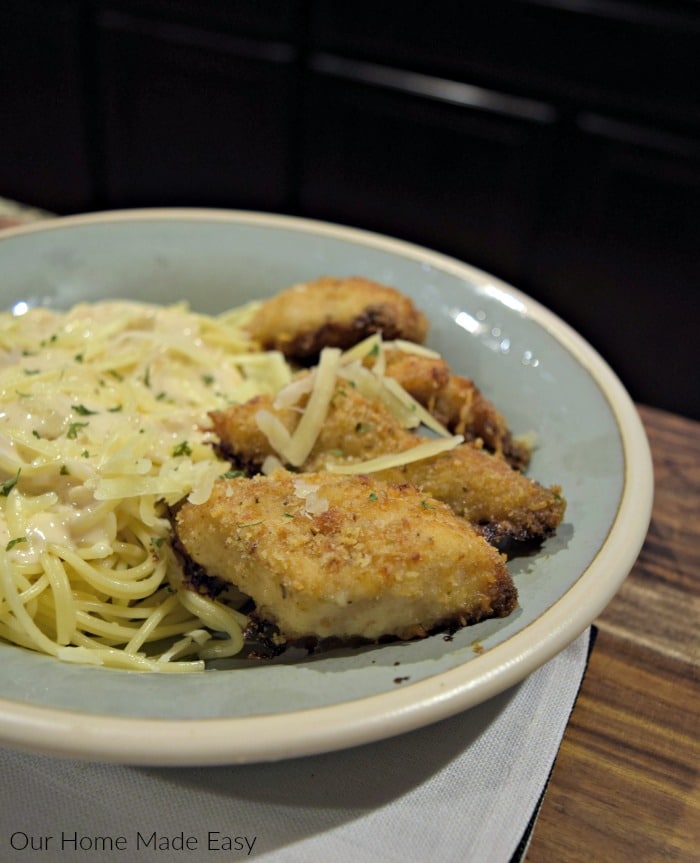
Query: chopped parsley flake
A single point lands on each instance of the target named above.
(9, 484)
(13, 542)
(72, 432)
(182, 449)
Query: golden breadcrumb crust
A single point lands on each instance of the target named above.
(334, 312)
(457, 403)
(502, 502)
(326, 556)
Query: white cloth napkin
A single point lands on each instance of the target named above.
(461, 791)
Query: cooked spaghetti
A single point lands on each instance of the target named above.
(103, 427)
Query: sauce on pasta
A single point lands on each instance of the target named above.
(103, 427)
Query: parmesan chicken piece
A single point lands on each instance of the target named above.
(330, 557)
(456, 402)
(502, 503)
(334, 312)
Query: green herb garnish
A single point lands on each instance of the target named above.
(9, 484)
(182, 449)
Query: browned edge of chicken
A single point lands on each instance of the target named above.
(334, 312)
(457, 403)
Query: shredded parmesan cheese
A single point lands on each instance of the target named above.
(413, 408)
(314, 504)
(427, 449)
(411, 348)
(293, 448)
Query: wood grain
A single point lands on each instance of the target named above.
(626, 784)
(659, 605)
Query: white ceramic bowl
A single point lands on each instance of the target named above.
(542, 375)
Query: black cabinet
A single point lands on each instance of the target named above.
(553, 143)
(194, 117)
(637, 57)
(569, 133)
(261, 20)
(45, 155)
(448, 167)
(620, 256)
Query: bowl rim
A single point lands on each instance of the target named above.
(183, 742)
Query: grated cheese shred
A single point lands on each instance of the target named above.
(293, 448)
(427, 449)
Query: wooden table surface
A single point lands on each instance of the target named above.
(626, 786)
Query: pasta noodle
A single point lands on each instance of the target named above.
(103, 427)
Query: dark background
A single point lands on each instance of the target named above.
(555, 144)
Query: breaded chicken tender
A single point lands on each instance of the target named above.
(334, 312)
(325, 556)
(501, 502)
(456, 402)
